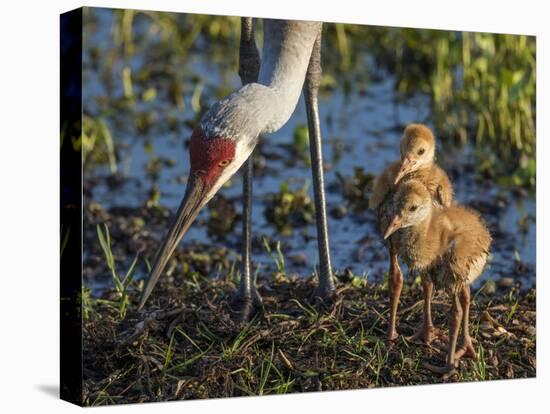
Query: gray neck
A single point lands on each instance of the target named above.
(264, 107)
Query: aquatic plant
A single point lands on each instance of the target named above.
(482, 87)
(288, 209)
(97, 144)
(356, 189)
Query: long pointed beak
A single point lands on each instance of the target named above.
(193, 201)
(393, 227)
(406, 167)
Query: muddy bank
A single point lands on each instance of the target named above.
(186, 346)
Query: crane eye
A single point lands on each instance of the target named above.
(413, 208)
(421, 151)
(224, 163)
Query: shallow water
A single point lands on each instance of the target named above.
(360, 129)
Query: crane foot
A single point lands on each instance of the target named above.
(245, 306)
(324, 295)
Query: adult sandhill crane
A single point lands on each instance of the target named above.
(229, 131)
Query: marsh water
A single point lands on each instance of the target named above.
(362, 118)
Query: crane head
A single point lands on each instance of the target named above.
(213, 161)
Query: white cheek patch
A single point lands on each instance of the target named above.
(427, 157)
(418, 216)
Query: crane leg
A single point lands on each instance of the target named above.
(325, 289)
(247, 299)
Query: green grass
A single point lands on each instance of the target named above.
(512, 311)
(293, 347)
(277, 256)
(120, 283)
(480, 366)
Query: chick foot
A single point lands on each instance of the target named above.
(466, 350)
(426, 334)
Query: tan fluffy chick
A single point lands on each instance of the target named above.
(450, 245)
(417, 161)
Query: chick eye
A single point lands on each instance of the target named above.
(224, 163)
(413, 208)
(421, 151)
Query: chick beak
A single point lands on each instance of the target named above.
(393, 227)
(407, 165)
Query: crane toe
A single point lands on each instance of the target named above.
(245, 307)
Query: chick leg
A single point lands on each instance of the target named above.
(467, 348)
(454, 329)
(427, 332)
(455, 319)
(396, 285)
